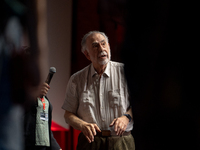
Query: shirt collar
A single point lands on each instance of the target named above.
(106, 71)
(92, 72)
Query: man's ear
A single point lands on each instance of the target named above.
(87, 55)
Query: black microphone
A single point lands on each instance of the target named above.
(52, 70)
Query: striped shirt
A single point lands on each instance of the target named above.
(96, 99)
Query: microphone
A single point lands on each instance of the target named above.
(52, 70)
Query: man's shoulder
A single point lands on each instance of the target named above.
(81, 72)
(116, 64)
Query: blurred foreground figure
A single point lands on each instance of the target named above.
(159, 56)
(16, 78)
(11, 128)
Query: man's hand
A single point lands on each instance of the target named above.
(120, 124)
(89, 130)
(44, 89)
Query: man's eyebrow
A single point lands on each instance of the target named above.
(98, 42)
(102, 41)
(94, 43)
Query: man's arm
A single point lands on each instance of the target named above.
(120, 124)
(88, 129)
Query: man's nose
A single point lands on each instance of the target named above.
(101, 47)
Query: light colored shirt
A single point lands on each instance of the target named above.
(96, 99)
(42, 125)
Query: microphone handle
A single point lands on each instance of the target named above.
(48, 80)
(49, 77)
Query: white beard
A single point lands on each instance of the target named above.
(103, 62)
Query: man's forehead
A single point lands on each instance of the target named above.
(96, 37)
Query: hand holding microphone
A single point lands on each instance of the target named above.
(45, 87)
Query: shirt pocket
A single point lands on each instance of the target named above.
(86, 107)
(115, 98)
(117, 102)
(87, 99)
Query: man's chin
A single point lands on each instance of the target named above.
(104, 62)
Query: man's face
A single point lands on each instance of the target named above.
(98, 49)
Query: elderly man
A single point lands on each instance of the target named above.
(97, 101)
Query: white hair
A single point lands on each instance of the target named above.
(83, 42)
